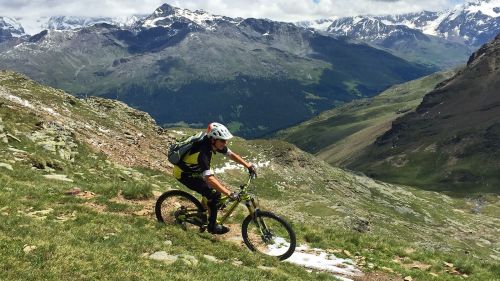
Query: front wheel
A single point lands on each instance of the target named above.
(269, 234)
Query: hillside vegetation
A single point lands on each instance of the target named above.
(434, 133)
(451, 141)
(339, 135)
(79, 178)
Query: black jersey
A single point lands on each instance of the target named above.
(198, 159)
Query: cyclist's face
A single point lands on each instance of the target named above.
(220, 144)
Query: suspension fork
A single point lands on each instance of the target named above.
(254, 210)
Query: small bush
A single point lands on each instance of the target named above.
(313, 237)
(134, 190)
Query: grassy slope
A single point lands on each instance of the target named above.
(106, 236)
(451, 141)
(339, 134)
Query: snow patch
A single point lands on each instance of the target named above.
(12, 26)
(179, 132)
(318, 259)
(50, 111)
(431, 27)
(231, 166)
(26, 103)
(152, 22)
(321, 25)
(485, 7)
(12, 23)
(16, 99)
(356, 20)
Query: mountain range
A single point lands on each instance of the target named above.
(473, 23)
(187, 67)
(444, 38)
(73, 22)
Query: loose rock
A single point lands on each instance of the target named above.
(27, 249)
(211, 258)
(6, 166)
(58, 177)
(164, 257)
(189, 260)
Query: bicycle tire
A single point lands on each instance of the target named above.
(269, 216)
(174, 193)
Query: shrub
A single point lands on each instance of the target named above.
(133, 190)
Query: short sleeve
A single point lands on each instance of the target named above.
(204, 159)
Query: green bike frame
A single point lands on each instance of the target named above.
(249, 200)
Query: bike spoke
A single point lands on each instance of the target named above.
(179, 210)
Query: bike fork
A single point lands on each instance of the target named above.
(258, 221)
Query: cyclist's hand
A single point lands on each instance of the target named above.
(234, 196)
(252, 171)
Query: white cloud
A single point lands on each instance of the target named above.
(297, 10)
(282, 10)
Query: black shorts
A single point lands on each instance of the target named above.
(198, 184)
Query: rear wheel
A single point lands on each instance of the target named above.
(179, 207)
(269, 234)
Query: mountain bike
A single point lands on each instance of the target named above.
(262, 231)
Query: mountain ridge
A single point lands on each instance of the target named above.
(194, 73)
(473, 23)
(444, 38)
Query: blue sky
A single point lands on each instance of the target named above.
(282, 10)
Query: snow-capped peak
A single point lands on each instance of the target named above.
(11, 26)
(73, 22)
(166, 15)
(321, 24)
(473, 23)
(486, 7)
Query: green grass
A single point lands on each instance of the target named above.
(104, 245)
(137, 191)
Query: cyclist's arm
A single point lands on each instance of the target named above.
(236, 158)
(215, 183)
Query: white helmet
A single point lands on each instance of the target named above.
(218, 131)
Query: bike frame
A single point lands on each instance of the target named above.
(249, 200)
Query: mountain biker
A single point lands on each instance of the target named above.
(194, 171)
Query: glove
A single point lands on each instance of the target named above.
(252, 171)
(235, 196)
